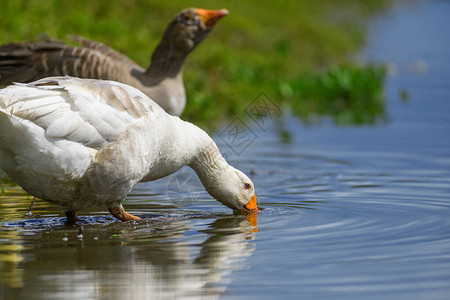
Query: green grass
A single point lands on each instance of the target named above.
(297, 52)
(350, 94)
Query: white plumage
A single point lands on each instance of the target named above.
(84, 142)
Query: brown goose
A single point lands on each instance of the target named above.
(162, 81)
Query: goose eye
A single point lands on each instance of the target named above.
(246, 186)
(188, 18)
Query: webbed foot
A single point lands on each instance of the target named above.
(122, 215)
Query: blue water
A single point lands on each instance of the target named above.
(348, 212)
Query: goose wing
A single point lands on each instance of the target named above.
(86, 111)
(87, 43)
(25, 62)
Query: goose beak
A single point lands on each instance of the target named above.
(251, 205)
(210, 17)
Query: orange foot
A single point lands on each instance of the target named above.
(122, 215)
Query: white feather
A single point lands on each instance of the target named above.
(84, 142)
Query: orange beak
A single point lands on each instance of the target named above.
(210, 17)
(251, 205)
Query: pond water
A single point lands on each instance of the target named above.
(348, 212)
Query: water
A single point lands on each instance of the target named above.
(348, 213)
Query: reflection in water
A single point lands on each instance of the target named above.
(160, 257)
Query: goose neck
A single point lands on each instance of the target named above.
(208, 162)
(166, 61)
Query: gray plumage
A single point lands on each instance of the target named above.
(162, 81)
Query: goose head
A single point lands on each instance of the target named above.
(238, 191)
(226, 184)
(191, 26)
(232, 188)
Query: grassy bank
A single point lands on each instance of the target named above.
(297, 52)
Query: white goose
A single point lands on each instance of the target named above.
(85, 142)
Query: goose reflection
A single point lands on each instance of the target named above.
(176, 259)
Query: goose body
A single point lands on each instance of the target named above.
(84, 142)
(162, 81)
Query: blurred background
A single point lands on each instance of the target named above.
(299, 53)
